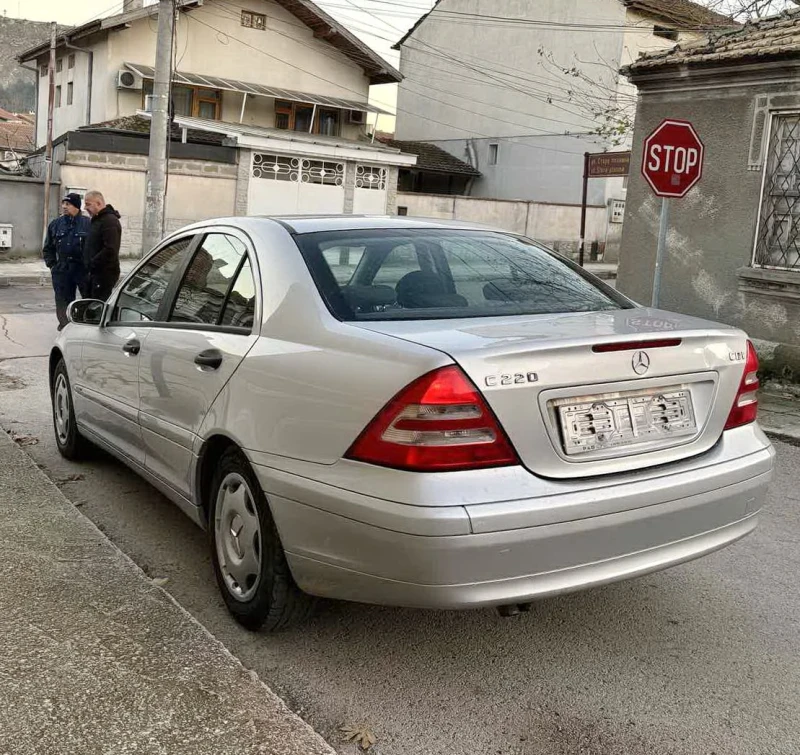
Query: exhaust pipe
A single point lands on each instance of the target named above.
(513, 609)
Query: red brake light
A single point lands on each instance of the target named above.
(438, 423)
(745, 406)
(659, 343)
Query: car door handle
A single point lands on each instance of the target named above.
(209, 358)
(134, 346)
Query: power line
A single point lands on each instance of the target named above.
(471, 133)
(496, 20)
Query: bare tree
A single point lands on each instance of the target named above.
(749, 10)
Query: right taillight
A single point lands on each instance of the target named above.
(439, 423)
(745, 406)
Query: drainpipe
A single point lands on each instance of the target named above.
(90, 78)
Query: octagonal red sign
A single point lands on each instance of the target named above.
(673, 158)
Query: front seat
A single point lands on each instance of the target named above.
(421, 290)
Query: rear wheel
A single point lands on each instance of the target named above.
(71, 444)
(249, 562)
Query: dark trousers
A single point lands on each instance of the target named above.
(101, 284)
(69, 281)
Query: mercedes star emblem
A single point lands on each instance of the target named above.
(641, 362)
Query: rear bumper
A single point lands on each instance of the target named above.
(334, 552)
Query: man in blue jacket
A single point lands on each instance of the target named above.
(63, 254)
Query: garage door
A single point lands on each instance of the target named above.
(370, 196)
(286, 185)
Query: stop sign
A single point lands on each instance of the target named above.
(673, 158)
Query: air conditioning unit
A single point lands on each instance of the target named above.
(129, 80)
(358, 117)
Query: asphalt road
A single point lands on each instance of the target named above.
(696, 660)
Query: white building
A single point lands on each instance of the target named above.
(270, 99)
(523, 89)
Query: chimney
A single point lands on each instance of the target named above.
(132, 5)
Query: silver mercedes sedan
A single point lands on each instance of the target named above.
(413, 413)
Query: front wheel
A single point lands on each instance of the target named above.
(249, 562)
(71, 444)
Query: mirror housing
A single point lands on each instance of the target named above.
(86, 311)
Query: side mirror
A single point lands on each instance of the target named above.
(86, 311)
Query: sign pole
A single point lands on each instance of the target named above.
(583, 205)
(662, 242)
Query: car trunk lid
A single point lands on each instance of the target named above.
(595, 393)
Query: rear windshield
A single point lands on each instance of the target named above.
(422, 274)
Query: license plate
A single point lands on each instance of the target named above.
(598, 423)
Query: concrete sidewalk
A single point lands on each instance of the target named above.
(26, 272)
(96, 659)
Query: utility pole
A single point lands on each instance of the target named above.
(48, 151)
(159, 130)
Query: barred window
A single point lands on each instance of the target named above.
(252, 20)
(325, 173)
(370, 177)
(778, 238)
(276, 167)
(298, 170)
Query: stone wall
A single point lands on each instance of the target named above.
(195, 191)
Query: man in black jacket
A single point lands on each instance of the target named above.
(101, 252)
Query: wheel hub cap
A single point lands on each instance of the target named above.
(237, 534)
(61, 409)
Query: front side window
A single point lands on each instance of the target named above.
(142, 295)
(204, 290)
(778, 240)
(434, 274)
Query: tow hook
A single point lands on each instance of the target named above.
(513, 609)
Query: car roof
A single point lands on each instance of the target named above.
(300, 224)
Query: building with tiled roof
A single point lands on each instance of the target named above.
(522, 90)
(768, 39)
(733, 251)
(436, 170)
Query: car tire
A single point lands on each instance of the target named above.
(249, 562)
(71, 444)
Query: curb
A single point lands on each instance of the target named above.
(23, 280)
(292, 724)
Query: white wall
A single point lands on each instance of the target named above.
(553, 224)
(453, 99)
(66, 117)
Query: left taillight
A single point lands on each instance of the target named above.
(438, 423)
(745, 406)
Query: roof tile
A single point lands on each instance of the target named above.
(773, 37)
(432, 158)
(136, 124)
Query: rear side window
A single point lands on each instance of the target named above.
(204, 289)
(429, 274)
(240, 308)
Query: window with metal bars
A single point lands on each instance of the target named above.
(778, 239)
